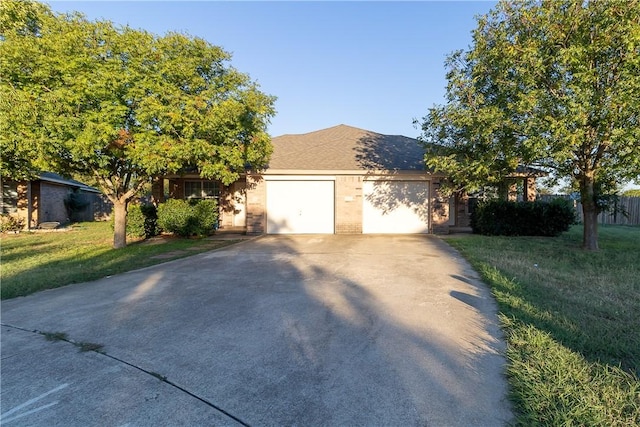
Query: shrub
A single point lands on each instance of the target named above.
(142, 220)
(10, 223)
(207, 213)
(500, 217)
(135, 221)
(150, 213)
(186, 218)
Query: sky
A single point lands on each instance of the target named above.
(372, 65)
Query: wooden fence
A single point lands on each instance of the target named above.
(626, 211)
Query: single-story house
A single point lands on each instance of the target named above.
(340, 180)
(42, 200)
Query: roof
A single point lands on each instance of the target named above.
(59, 179)
(345, 147)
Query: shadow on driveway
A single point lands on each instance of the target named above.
(298, 330)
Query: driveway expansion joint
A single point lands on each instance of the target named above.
(97, 348)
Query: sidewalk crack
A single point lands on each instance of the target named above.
(99, 348)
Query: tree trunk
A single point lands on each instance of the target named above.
(590, 229)
(120, 224)
(590, 214)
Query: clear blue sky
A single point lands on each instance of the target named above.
(373, 65)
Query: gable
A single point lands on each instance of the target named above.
(346, 148)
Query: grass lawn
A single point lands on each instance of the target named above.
(31, 262)
(572, 323)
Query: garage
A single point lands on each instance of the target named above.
(300, 206)
(345, 180)
(395, 207)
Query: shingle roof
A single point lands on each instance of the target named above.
(344, 147)
(59, 179)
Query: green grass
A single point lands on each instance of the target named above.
(572, 323)
(31, 262)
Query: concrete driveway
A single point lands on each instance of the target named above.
(302, 330)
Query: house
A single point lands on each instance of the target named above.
(42, 200)
(341, 180)
(345, 180)
(336, 180)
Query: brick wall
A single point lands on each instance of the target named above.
(52, 203)
(439, 209)
(256, 205)
(16, 204)
(348, 204)
(463, 217)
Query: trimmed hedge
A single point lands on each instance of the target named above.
(500, 217)
(188, 218)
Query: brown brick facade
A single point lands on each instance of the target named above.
(348, 203)
(439, 209)
(256, 205)
(52, 205)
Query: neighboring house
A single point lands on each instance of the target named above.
(340, 180)
(42, 200)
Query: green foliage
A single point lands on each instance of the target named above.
(142, 220)
(122, 105)
(150, 214)
(501, 217)
(550, 84)
(10, 223)
(186, 218)
(632, 193)
(135, 221)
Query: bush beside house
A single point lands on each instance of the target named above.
(181, 217)
(506, 218)
(188, 218)
(142, 220)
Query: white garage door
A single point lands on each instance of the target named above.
(300, 207)
(395, 207)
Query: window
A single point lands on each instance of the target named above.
(201, 189)
(9, 200)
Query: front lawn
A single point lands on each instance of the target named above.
(571, 320)
(31, 262)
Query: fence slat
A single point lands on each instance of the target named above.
(628, 213)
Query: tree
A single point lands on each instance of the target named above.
(551, 84)
(122, 105)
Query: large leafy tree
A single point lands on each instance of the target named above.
(549, 84)
(122, 105)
